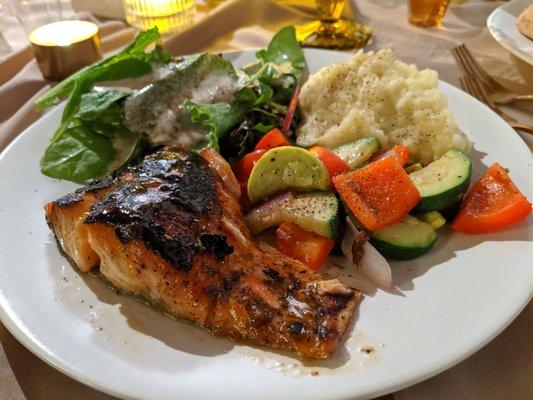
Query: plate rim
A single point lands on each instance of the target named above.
(14, 325)
(490, 26)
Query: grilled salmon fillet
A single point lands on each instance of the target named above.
(170, 231)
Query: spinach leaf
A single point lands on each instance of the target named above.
(131, 62)
(283, 49)
(128, 146)
(94, 103)
(96, 141)
(254, 94)
(91, 130)
(218, 117)
(78, 155)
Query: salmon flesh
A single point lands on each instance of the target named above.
(170, 231)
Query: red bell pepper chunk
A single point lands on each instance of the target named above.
(307, 247)
(331, 161)
(493, 203)
(244, 166)
(274, 138)
(400, 152)
(379, 194)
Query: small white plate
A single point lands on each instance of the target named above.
(502, 25)
(445, 306)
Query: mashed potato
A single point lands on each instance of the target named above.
(377, 95)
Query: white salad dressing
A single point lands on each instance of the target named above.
(158, 108)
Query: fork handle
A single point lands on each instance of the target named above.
(522, 127)
(513, 98)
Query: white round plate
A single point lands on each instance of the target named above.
(445, 306)
(502, 25)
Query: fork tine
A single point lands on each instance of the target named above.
(479, 69)
(480, 72)
(461, 62)
(482, 95)
(486, 97)
(458, 60)
(470, 88)
(473, 67)
(467, 67)
(476, 90)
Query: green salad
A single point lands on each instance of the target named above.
(122, 107)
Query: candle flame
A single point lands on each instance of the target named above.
(63, 33)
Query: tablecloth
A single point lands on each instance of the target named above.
(501, 370)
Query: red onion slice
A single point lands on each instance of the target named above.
(270, 213)
(372, 264)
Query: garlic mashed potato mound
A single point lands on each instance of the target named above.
(373, 94)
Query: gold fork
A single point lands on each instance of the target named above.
(470, 67)
(475, 89)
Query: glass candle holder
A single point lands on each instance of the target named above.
(331, 30)
(64, 47)
(169, 16)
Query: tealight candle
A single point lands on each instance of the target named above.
(169, 16)
(64, 47)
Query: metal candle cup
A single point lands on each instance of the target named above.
(64, 47)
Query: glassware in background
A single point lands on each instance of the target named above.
(34, 13)
(330, 30)
(60, 46)
(427, 12)
(169, 16)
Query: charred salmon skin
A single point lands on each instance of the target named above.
(170, 231)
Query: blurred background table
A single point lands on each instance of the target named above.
(502, 369)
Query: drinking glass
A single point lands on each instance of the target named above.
(34, 13)
(427, 12)
(169, 16)
(330, 30)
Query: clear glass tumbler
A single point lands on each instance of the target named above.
(168, 15)
(427, 12)
(34, 13)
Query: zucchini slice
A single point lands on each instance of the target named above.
(286, 168)
(316, 212)
(409, 238)
(443, 183)
(355, 154)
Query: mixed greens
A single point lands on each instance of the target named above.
(200, 101)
